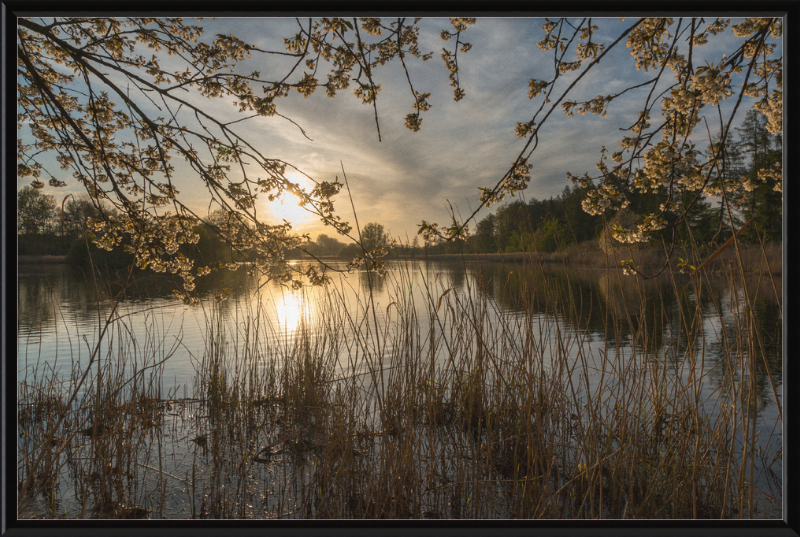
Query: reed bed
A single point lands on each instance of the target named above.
(439, 404)
(755, 258)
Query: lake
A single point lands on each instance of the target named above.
(678, 349)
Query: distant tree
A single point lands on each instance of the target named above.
(485, 237)
(539, 212)
(78, 213)
(373, 237)
(350, 251)
(760, 195)
(699, 219)
(551, 236)
(581, 225)
(35, 211)
(456, 246)
(514, 242)
(512, 223)
(328, 245)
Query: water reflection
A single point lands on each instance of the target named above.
(619, 311)
(372, 281)
(660, 335)
(291, 307)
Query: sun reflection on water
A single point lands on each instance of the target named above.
(291, 307)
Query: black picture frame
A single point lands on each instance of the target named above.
(789, 526)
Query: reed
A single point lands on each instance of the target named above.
(437, 405)
(755, 258)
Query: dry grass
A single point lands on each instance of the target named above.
(755, 258)
(449, 408)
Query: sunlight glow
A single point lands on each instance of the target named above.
(287, 206)
(288, 209)
(290, 309)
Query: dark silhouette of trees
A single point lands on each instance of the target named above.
(761, 190)
(373, 237)
(77, 215)
(485, 238)
(35, 211)
(326, 245)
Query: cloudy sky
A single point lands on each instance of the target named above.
(408, 176)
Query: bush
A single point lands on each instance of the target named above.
(350, 251)
(80, 255)
(550, 237)
(48, 244)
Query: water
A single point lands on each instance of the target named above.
(61, 313)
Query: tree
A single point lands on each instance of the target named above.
(328, 245)
(78, 212)
(760, 193)
(119, 118)
(86, 91)
(485, 238)
(35, 211)
(512, 220)
(373, 237)
(350, 251)
(551, 236)
(581, 225)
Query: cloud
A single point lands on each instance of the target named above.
(409, 176)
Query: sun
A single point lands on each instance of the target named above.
(287, 208)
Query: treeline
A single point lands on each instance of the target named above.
(46, 227)
(547, 225)
(552, 224)
(372, 236)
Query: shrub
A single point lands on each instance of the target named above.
(82, 250)
(550, 237)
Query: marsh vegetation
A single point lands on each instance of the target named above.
(433, 390)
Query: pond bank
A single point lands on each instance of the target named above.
(649, 260)
(42, 260)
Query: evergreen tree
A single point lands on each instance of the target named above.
(485, 238)
(759, 198)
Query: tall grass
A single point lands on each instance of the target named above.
(440, 404)
(755, 258)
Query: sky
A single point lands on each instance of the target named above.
(410, 176)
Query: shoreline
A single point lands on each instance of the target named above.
(42, 260)
(513, 257)
(593, 260)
